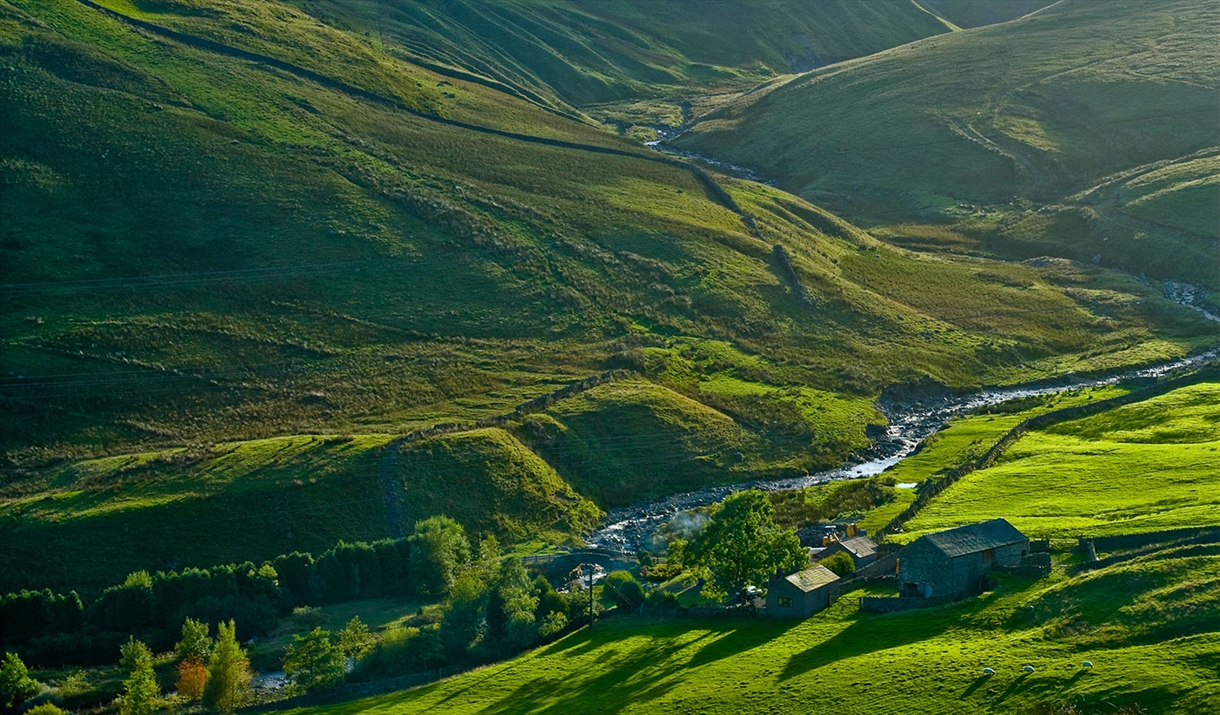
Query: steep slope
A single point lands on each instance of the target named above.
(1029, 111)
(579, 52)
(260, 227)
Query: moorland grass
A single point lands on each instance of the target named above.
(993, 131)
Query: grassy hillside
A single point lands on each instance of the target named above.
(1141, 467)
(1148, 626)
(580, 52)
(333, 240)
(977, 127)
(86, 525)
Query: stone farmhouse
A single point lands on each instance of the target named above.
(953, 563)
(803, 593)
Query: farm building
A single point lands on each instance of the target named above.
(861, 549)
(953, 563)
(803, 593)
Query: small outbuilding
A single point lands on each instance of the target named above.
(803, 593)
(953, 563)
(861, 549)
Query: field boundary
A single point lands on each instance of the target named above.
(928, 492)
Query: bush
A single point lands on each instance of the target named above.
(660, 573)
(666, 600)
(624, 589)
(840, 563)
(45, 709)
(552, 625)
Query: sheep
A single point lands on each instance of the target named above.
(988, 671)
(1028, 669)
(1087, 665)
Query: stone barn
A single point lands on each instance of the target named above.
(861, 549)
(954, 563)
(803, 593)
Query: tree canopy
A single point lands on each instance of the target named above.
(439, 548)
(228, 671)
(314, 662)
(742, 546)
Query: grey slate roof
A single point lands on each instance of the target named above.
(975, 537)
(860, 546)
(812, 578)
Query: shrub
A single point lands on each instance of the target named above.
(192, 679)
(15, 682)
(45, 709)
(840, 563)
(625, 590)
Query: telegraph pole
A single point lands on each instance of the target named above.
(590, 595)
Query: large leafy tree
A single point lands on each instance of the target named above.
(314, 661)
(439, 549)
(228, 683)
(742, 546)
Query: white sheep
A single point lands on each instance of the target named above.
(988, 671)
(1028, 669)
(1086, 665)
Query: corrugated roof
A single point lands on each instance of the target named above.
(812, 578)
(976, 537)
(860, 546)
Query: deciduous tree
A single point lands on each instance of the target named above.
(196, 641)
(192, 679)
(140, 690)
(439, 549)
(228, 683)
(15, 683)
(742, 546)
(314, 661)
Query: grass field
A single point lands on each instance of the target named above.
(1147, 466)
(1148, 626)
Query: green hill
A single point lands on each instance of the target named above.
(977, 127)
(264, 227)
(579, 52)
(1148, 626)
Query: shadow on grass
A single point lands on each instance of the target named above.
(620, 675)
(978, 683)
(869, 632)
